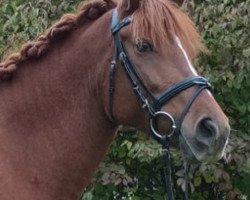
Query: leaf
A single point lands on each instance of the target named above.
(197, 181)
(246, 53)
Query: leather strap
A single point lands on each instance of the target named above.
(150, 103)
(179, 87)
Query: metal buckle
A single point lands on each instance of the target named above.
(153, 129)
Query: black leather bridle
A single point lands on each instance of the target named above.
(150, 103)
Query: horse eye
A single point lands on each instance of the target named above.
(144, 46)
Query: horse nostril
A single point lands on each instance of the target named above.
(207, 131)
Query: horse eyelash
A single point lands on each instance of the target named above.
(141, 41)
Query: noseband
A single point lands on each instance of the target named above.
(150, 103)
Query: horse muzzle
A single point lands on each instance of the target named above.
(207, 144)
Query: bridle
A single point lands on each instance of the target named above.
(150, 103)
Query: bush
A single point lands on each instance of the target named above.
(23, 20)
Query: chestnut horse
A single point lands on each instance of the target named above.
(55, 120)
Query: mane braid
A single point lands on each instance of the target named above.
(161, 21)
(90, 10)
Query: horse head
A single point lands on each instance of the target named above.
(159, 41)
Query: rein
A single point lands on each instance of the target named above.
(150, 103)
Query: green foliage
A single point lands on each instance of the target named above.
(132, 168)
(226, 29)
(132, 171)
(23, 20)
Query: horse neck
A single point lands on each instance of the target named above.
(54, 109)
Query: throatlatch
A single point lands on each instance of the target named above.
(150, 103)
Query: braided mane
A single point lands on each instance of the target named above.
(90, 10)
(161, 15)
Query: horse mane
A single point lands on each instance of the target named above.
(161, 21)
(88, 11)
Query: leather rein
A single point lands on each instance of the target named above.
(150, 103)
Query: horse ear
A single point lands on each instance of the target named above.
(179, 2)
(129, 6)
